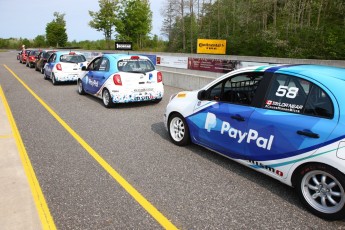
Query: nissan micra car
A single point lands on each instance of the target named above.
(121, 78)
(285, 121)
(64, 66)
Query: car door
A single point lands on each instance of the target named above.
(50, 64)
(297, 115)
(96, 75)
(220, 122)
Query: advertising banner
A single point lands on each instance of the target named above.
(211, 46)
(173, 62)
(123, 45)
(213, 65)
(152, 57)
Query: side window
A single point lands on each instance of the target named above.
(94, 65)
(239, 89)
(52, 58)
(296, 95)
(104, 65)
(319, 104)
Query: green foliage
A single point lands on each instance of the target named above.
(134, 24)
(40, 41)
(278, 28)
(56, 31)
(105, 19)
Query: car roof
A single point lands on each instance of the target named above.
(123, 56)
(317, 72)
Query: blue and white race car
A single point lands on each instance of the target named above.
(64, 66)
(285, 121)
(121, 78)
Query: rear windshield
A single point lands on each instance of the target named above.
(72, 58)
(135, 65)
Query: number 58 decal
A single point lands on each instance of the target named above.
(285, 91)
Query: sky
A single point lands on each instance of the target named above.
(27, 19)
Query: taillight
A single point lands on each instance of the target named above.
(117, 79)
(159, 77)
(58, 67)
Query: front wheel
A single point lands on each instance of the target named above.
(321, 189)
(107, 101)
(178, 130)
(81, 90)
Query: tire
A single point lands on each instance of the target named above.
(81, 90)
(321, 189)
(42, 70)
(107, 101)
(54, 81)
(178, 130)
(157, 100)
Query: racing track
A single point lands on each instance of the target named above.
(192, 187)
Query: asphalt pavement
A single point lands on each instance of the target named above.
(17, 207)
(191, 186)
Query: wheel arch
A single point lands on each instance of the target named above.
(297, 170)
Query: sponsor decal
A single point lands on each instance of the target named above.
(93, 83)
(288, 107)
(252, 136)
(268, 168)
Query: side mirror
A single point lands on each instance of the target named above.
(83, 68)
(202, 95)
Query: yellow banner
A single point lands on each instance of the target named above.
(210, 46)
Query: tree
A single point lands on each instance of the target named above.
(56, 31)
(135, 21)
(40, 41)
(105, 19)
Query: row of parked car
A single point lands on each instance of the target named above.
(114, 78)
(285, 121)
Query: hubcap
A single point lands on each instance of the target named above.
(80, 87)
(106, 97)
(177, 129)
(323, 191)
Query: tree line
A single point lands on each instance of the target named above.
(278, 28)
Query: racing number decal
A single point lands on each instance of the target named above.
(286, 91)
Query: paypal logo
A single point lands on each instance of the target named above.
(251, 136)
(211, 121)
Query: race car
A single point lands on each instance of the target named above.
(121, 78)
(64, 66)
(285, 121)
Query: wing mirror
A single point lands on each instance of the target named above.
(83, 68)
(202, 95)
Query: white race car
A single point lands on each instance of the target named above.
(64, 66)
(284, 121)
(121, 78)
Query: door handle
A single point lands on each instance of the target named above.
(237, 117)
(308, 134)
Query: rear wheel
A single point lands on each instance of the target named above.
(321, 189)
(80, 88)
(107, 101)
(178, 130)
(54, 81)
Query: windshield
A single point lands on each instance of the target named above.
(135, 65)
(72, 58)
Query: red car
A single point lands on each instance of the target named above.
(31, 58)
(22, 58)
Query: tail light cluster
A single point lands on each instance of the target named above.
(117, 79)
(58, 67)
(159, 77)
